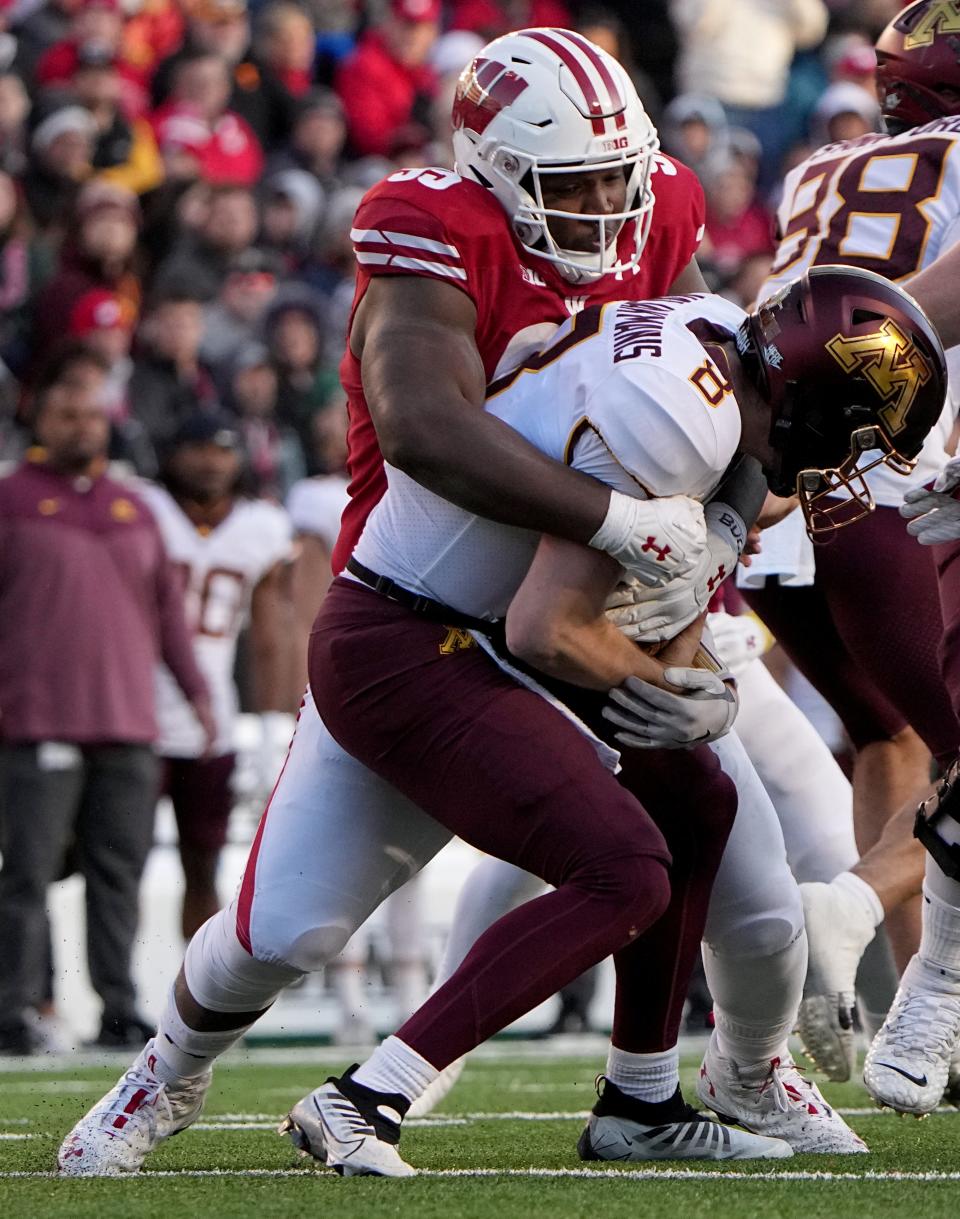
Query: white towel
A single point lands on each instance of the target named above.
(787, 552)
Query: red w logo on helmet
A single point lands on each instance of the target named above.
(483, 90)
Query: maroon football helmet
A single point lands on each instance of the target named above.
(856, 376)
(918, 64)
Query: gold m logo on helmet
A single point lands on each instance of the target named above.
(890, 361)
(942, 18)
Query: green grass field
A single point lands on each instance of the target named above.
(502, 1144)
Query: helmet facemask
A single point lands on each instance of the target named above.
(831, 496)
(585, 267)
(818, 490)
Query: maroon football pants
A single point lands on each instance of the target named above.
(866, 633)
(509, 774)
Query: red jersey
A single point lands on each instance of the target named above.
(432, 222)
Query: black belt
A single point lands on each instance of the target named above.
(587, 704)
(425, 607)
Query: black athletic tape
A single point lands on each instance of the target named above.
(945, 802)
(743, 487)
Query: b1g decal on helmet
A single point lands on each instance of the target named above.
(893, 365)
(941, 17)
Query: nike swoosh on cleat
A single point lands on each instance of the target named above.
(919, 1080)
(344, 1149)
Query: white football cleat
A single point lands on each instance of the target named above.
(134, 1117)
(838, 932)
(427, 1101)
(352, 1129)
(623, 1128)
(778, 1102)
(908, 1063)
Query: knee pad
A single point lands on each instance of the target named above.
(223, 977)
(758, 923)
(313, 948)
(758, 935)
(937, 825)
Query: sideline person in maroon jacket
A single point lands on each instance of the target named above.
(89, 603)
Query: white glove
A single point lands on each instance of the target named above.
(652, 718)
(655, 540)
(737, 640)
(934, 516)
(655, 615)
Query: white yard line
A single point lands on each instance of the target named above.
(270, 1121)
(613, 1174)
(273, 1123)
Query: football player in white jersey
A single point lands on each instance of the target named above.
(683, 384)
(889, 203)
(234, 554)
(807, 788)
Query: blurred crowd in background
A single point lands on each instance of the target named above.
(178, 178)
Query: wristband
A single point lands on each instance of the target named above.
(618, 525)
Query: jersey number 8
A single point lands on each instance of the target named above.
(865, 210)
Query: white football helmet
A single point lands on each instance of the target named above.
(544, 101)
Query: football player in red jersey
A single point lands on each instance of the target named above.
(553, 211)
(461, 275)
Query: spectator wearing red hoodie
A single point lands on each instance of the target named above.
(96, 28)
(198, 136)
(103, 322)
(737, 225)
(386, 84)
(222, 27)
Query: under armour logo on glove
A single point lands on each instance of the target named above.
(651, 544)
(655, 540)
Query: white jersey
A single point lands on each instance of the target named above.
(890, 204)
(634, 393)
(316, 505)
(221, 569)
